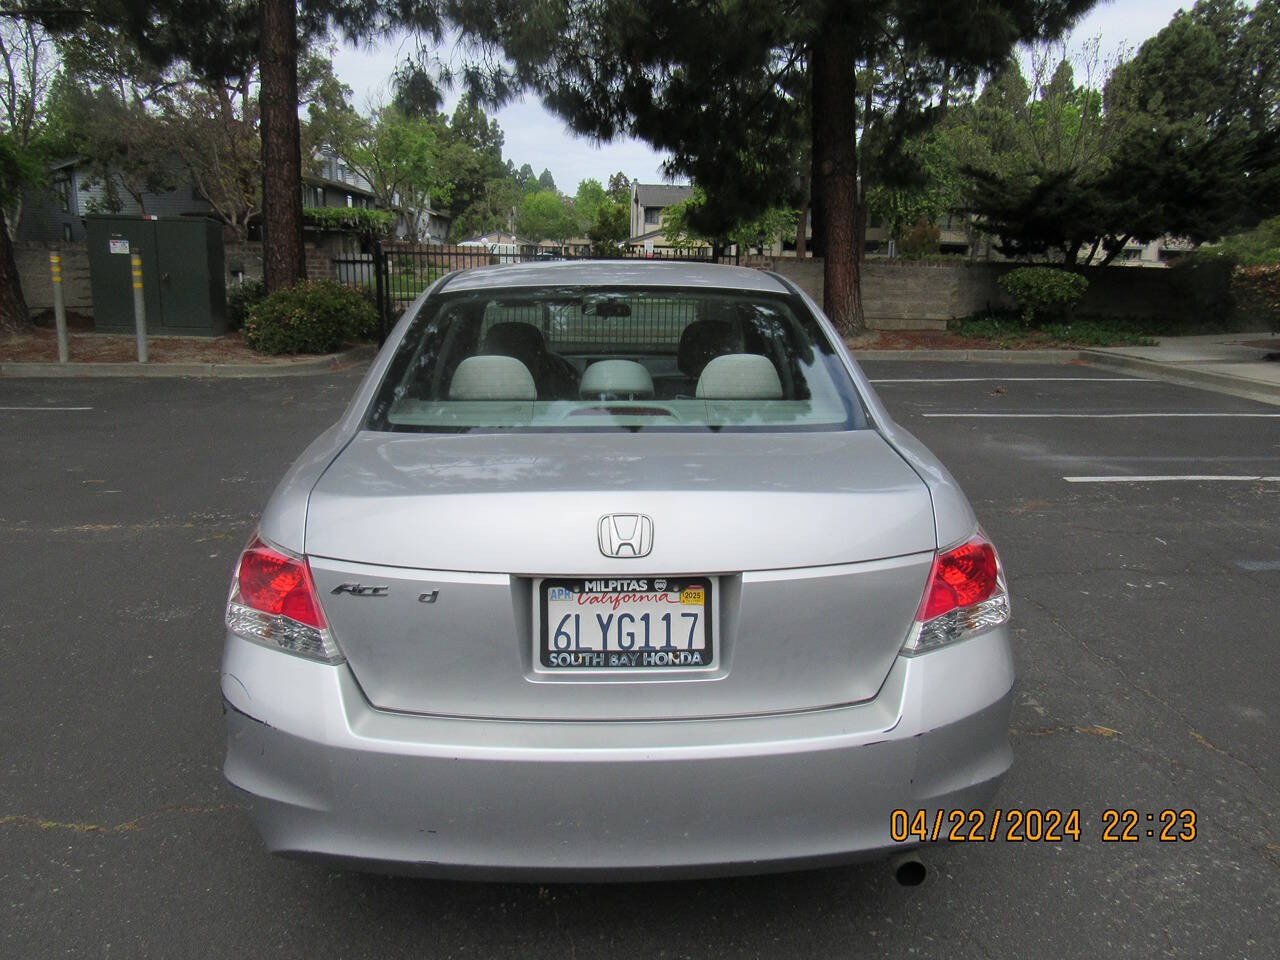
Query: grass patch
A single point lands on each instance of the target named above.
(1008, 332)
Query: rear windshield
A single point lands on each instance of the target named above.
(594, 358)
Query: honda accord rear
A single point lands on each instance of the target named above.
(613, 570)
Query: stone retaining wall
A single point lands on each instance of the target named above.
(32, 257)
(896, 294)
(922, 295)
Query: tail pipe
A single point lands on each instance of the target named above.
(908, 869)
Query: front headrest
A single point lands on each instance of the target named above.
(492, 378)
(515, 339)
(739, 376)
(619, 378)
(702, 341)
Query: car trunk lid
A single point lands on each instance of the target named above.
(817, 546)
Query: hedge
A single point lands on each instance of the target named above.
(316, 316)
(1043, 290)
(1256, 291)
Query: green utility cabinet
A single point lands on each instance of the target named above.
(183, 284)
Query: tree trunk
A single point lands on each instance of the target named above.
(835, 119)
(802, 219)
(816, 204)
(859, 248)
(283, 261)
(14, 315)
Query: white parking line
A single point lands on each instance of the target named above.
(1089, 416)
(1160, 479)
(45, 408)
(1018, 380)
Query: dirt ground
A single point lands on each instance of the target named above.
(41, 345)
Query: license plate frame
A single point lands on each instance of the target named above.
(658, 657)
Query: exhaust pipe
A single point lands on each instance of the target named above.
(908, 869)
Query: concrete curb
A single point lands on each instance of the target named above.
(1187, 375)
(1184, 374)
(320, 365)
(1001, 356)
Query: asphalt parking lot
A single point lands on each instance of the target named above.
(1145, 614)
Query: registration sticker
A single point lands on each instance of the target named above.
(693, 596)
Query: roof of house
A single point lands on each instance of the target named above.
(341, 185)
(656, 234)
(661, 194)
(642, 237)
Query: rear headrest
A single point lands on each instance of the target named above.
(740, 376)
(702, 341)
(616, 377)
(492, 378)
(513, 338)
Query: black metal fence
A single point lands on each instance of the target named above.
(395, 273)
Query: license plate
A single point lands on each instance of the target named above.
(644, 623)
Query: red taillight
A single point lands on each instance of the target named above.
(961, 577)
(274, 583)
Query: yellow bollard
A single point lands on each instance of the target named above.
(139, 306)
(59, 308)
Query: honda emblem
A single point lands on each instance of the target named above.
(626, 535)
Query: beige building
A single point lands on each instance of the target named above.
(648, 201)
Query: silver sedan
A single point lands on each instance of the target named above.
(613, 570)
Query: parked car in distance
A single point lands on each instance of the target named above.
(613, 570)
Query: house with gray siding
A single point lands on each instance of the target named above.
(334, 184)
(57, 211)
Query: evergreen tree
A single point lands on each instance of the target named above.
(740, 94)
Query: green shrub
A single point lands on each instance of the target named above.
(241, 299)
(1208, 279)
(316, 316)
(1005, 330)
(1256, 291)
(1259, 247)
(1043, 290)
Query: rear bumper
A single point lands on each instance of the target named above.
(326, 775)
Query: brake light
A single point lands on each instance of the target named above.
(964, 595)
(960, 578)
(274, 583)
(273, 601)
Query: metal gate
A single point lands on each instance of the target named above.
(397, 272)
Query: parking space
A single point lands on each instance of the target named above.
(1144, 615)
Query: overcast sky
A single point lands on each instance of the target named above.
(536, 137)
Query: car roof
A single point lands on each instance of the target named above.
(606, 273)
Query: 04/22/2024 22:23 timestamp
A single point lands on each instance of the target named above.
(1044, 825)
